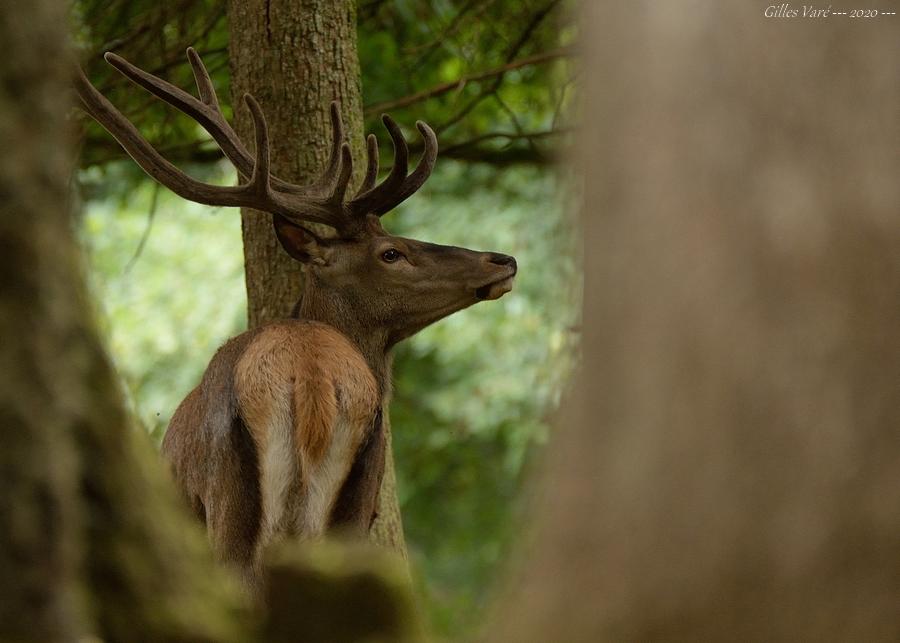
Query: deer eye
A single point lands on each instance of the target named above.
(390, 256)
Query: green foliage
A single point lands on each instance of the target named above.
(153, 35)
(165, 311)
(412, 47)
(404, 47)
(472, 391)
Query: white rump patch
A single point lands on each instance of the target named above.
(325, 479)
(322, 481)
(279, 466)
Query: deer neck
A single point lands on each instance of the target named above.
(321, 305)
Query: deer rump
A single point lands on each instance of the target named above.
(282, 437)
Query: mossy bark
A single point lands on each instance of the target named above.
(295, 58)
(335, 591)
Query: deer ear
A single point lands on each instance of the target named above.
(297, 241)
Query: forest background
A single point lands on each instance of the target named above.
(728, 466)
(473, 394)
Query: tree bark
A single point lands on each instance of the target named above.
(736, 475)
(295, 58)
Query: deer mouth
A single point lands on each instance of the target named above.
(495, 289)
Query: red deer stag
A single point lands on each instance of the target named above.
(283, 437)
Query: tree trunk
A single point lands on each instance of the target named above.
(38, 477)
(93, 539)
(295, 58)
(738, 475)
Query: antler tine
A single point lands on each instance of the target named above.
(146, 155)
(201, 77)
(337, 140)
(343, 178)
(423, 170)
(259, 181)
(370, 200)
(398, 187)
(401, 156)
(372, 165)
(207, 112)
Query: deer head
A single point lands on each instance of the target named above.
(361, 279)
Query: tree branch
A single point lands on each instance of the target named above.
(501, 158)
(510, 136)
(99, 152)
(443, 88)
(517, 46)
(369, 10)
(458, 20)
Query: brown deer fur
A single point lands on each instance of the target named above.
(280, 409)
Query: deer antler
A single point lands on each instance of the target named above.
(322, 202)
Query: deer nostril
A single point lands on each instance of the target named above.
(502, 260)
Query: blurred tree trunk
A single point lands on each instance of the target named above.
(37, 469)
(737, 475)
(92, 538)
(295, 58)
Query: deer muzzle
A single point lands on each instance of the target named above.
(495, 290)
(499, 287)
